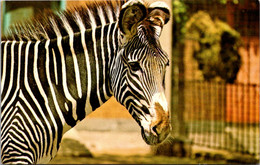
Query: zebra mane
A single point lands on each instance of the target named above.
(43, 26)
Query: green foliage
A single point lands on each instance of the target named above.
(179, 12)
(225, 1)
(217, 46)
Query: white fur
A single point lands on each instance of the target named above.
(132, 2)
(160, 4)
(161, 99)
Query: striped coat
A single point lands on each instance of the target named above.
(58, 68)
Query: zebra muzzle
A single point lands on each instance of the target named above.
(157, 129)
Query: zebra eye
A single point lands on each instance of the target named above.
(135, 66)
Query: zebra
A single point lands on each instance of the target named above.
(59, 67)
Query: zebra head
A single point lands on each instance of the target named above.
(140, 66)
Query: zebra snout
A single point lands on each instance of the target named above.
(158, 127)
(163, 127)
(156, 133)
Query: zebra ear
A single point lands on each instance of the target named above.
(131, 14)
(159, 13)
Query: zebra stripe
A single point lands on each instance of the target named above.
(59, 111)
(103, 23)
(64, 77)
(43, 94)
(71, 68)
(93, 27)
(11, 73)
(3, 76)
(27, 86)
(55, 67)
(76, 67)
(88, 107)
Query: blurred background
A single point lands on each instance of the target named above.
(212, 87)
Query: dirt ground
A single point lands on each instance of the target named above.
(131, 159)
(113, 147)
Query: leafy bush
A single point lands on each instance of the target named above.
(216, 47)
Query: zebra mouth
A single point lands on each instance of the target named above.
(150, 138)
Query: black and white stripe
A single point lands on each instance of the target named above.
(53, 75)
(48, 85)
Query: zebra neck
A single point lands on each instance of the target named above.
(80, 70)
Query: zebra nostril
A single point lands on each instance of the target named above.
(154, 130)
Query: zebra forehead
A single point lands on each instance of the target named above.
(149, 57)
(141, 49)
(150, 44)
